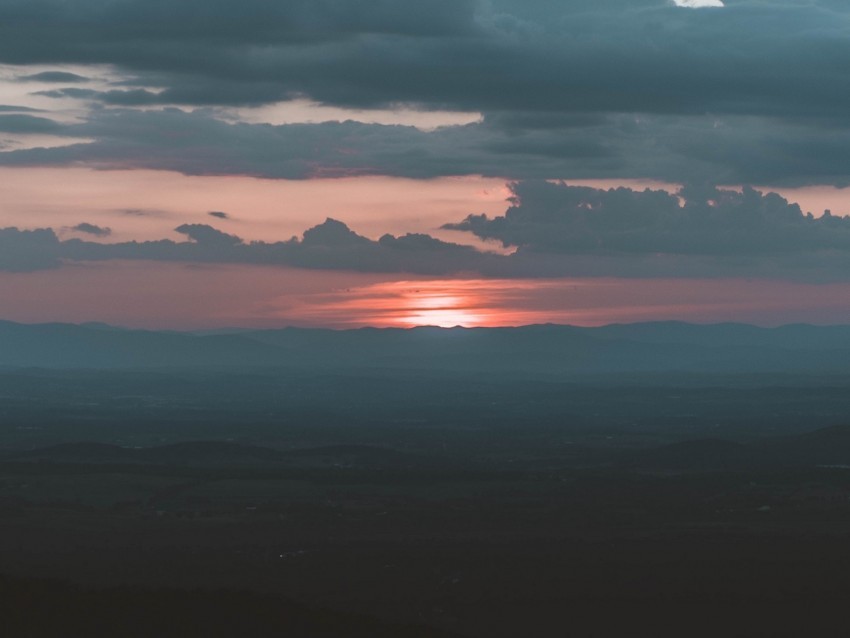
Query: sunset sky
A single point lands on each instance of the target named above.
(197, 164)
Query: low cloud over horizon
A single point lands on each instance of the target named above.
(555, 230)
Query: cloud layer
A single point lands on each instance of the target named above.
(609, 55)
(507, 145)
(755, 92)
(558, 218)
(558, 230)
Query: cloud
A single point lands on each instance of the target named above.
(503, 54)
(200, 144)
(678, 149)
(54, 76)
(328, 246)
(142, 212)
(92, 229)
(28, 250)
(570, 89)
(558, 231)
(11, 108)
(218, 214)
(557, 218)
(208, 236)
(17, 123)
(72, 92)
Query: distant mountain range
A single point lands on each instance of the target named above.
(544, 349)
(227, 454)
(825, 447)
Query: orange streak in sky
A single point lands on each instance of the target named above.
(445, 303)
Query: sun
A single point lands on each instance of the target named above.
(442, 318)
(420, 307)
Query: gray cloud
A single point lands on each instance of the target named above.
(28, 250)
(143, 212)
(328, 246)
(679, 149)
(72, 92)
(218, 214)
(208, 236)
(54, 76)
(199, 144)
(608, 56)
(18, 123)
(558, 218)
(751, 93)
(11, 108)
(92, 229)
(559, 231)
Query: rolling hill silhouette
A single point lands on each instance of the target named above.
(224, 454)
(541, 349)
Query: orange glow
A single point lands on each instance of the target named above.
(186, 296)
(436, 308)
(475, 303)
(445, 303)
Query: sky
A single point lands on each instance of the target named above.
(344, 163)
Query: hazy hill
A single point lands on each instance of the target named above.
(73, 346)
(225, 454)
(188, 453)
(542, 349)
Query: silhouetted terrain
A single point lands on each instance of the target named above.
(391, 483)
(543, 349)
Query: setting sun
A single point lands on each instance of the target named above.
(429, 304)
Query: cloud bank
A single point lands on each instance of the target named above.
(557, 230)
(558, 218)
(507, 145)
(753, 93)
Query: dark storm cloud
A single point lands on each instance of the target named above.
(200, 35)
(54, 76)
(752, 57)
(756, 92)
(559, 231)
(92, 229)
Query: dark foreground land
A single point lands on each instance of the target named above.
(388, 502)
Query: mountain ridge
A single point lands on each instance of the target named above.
(547, 348)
